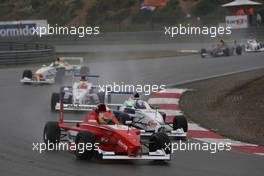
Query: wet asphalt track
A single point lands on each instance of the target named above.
(25, 109)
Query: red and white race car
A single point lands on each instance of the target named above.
(110, 140)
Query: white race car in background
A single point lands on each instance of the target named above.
(253, 45)
(81, 96)
(47, 74)
(149, 119)
(44, 75)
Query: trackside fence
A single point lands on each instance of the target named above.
(23, 53)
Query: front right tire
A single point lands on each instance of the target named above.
(159, 141)
(180, 122)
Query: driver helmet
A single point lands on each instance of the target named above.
(140, 104)
(101, 108)
(83, 78)
(102, 118)
(57, 61)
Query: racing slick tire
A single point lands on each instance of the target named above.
(85, 138)
(239, 50)
(180, 122)
(159, 141)
(203, 51)
(226, 52)
(27, 74)
(55, 98)
(51, 133)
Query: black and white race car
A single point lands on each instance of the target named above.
(253, 45)
(149, 119)
(221, 50)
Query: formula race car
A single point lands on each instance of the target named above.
(81, 96)
(253, 45)
(149, 119)
(47, 74)
(222, 49)
(101, 135)
(44, 75)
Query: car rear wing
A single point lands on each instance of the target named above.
(75, 107)
(61, 115)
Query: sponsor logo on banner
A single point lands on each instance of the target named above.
(155, 3)
(237, 22)
(20, 28)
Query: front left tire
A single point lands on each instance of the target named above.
(55, 98)
(85, 138)
(180, 122)
(51, 133)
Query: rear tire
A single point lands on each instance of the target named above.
(27, 74)
(180, 122)
(85, 138)
(55, 98)
(239, 50)
(227, 52)
(51, 133)
(203, 51)
(160, 141)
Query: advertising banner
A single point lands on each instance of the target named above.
(20, 28)
(155, 3)
(237, 22)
